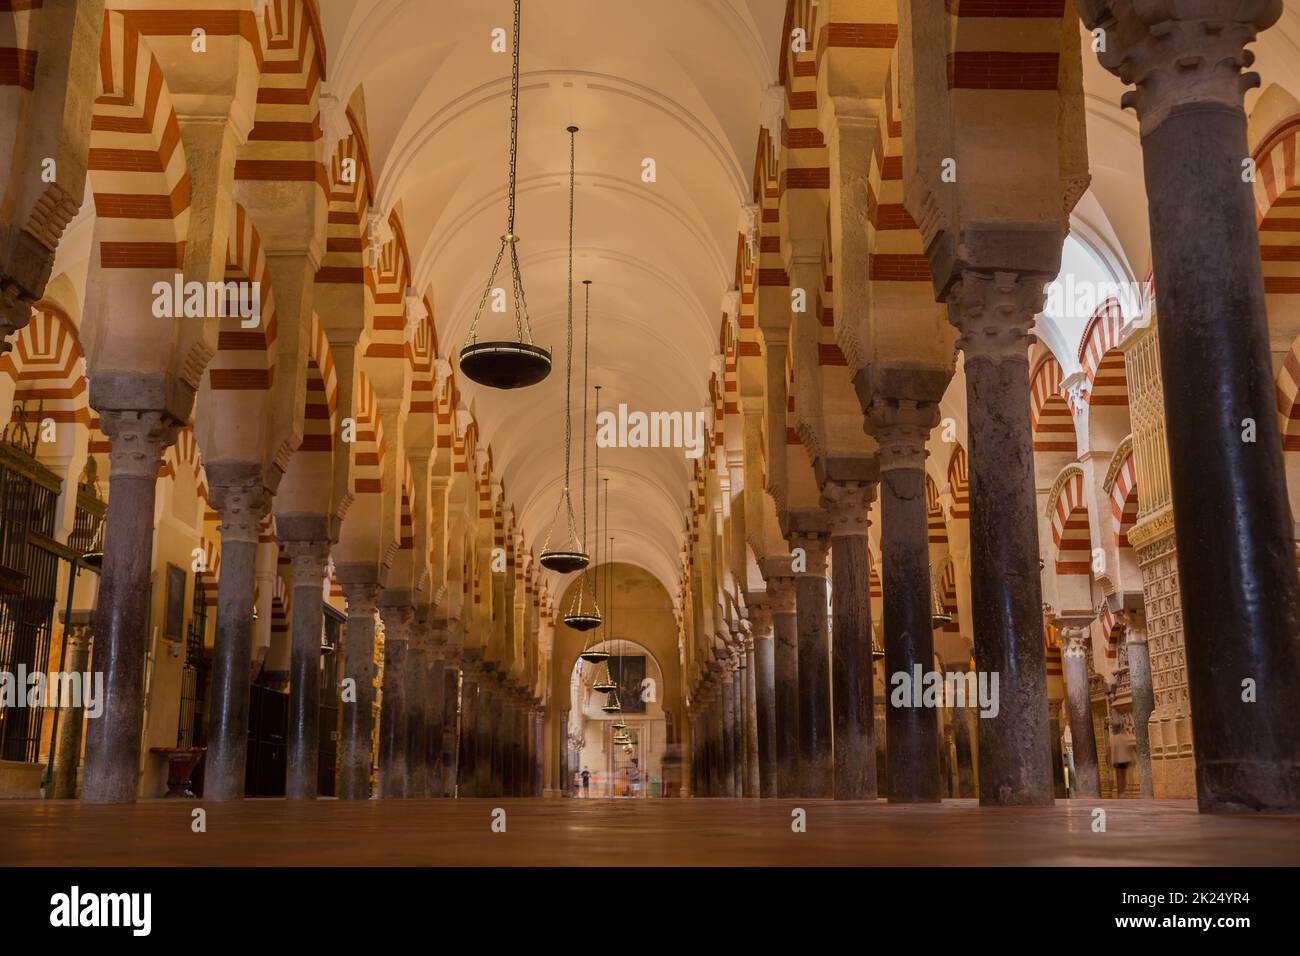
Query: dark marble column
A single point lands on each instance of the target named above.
(539, 742)
(307, 561)
(1087, 780)
(484, 773)
(1143, 694)
(780, 592)
(112, 770)
(72, 717)
(765, 692)
(738, 723)
(356, 747)
(467, 750)
(237, 493)
(752, 781)
(847, 503)
(397, 616)
(912, 749)
(728, 730)
(435, 719)
(1227, 474)
(416, 692)
(451, 734)
(995, 313)
(816, 764)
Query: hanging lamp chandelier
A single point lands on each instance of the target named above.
(580, 617)
(517, 363)
(619, 724)
(604, 683)
(569, 556)
(611, 705)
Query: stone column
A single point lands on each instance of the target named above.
(995, 313)
(539, 742)
(765, 696)
(738, 724)
(435, 720)
(785, 632)
(356, 751)
(1229, 477)
(416, 692)
(112, 770)
(449, 739)
(72, 717)
(753, 784)
(853, 720)
(237, 493)
(912, 745)
(728, 681)
(1143, 694)
(467, 751)
(816, 765)
(307, 561)
(1074, 638)
(393, 769)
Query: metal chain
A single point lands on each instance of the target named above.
(523, 328)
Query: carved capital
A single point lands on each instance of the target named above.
(815, 546)
(242, 501)
(138, 441)
(995, 312)
(307, 562)
(1179, 54)
(1074, 641)
(361, 598)
(780, 593)
(901, 427)
(848, 504)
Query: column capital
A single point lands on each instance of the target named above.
(1074, 637)
(780, 593)
(760, 617)
(1179, 54)
(902, 428)
(138, 439)
(361, 598)
(814, 545)
(994, 311)
(238, 493)
(848, 504)
(307, 562)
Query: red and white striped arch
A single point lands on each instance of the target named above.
(959, 483)
(1277, 207)
(368, 448)
(282, 144)
(1101, 358)
(1070, 528)
(136, 163)
(48, 368)
(938, 528)
(948, 597)
(1124, 501)
(245, 358)
(1052, 422)
(320, 417)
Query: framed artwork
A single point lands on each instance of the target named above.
(174, 611)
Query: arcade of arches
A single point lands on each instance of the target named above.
(301, 546)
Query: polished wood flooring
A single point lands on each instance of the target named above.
(645, 832)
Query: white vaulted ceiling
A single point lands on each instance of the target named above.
(678, 81)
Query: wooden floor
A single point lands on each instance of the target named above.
(647, 832)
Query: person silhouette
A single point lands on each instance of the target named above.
(586, 781)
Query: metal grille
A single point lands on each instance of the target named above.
(28, 580)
